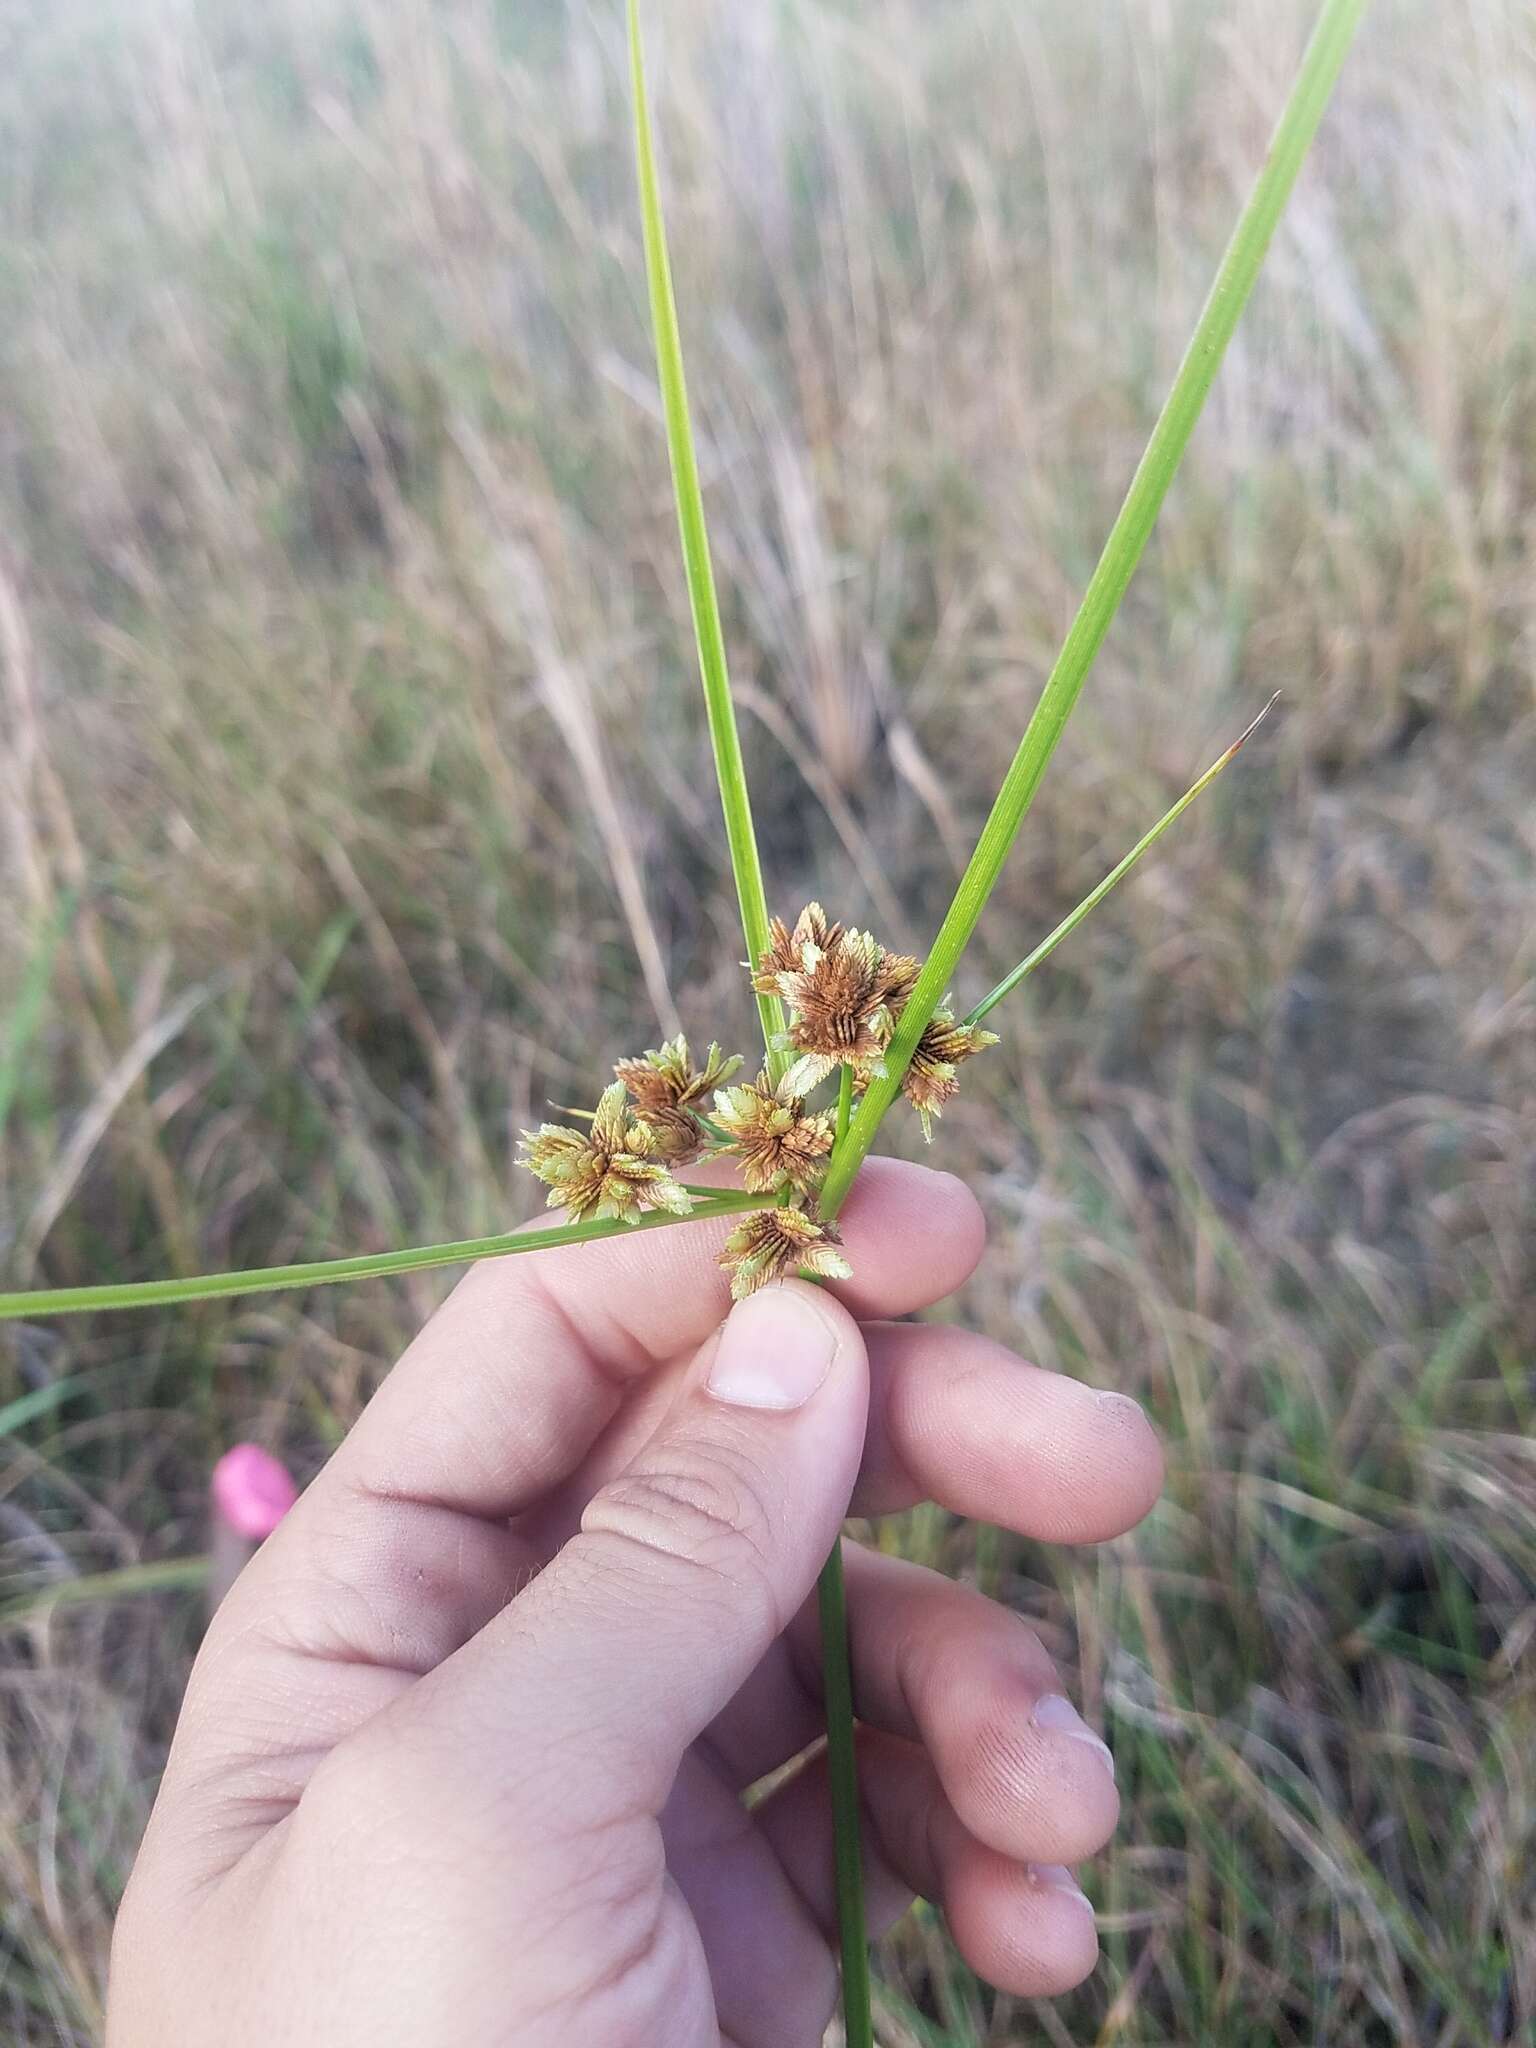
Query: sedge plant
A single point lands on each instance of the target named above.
(849, 1025)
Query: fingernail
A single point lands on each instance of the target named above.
(1057, 1713)
(775, 1350)
(1055, 1877)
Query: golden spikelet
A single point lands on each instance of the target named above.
(930, 1080)
(778, 1143)
(844, 992)
(666, 1087)
(775, 1242)
(604, 1171)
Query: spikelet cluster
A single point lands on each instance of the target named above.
(844, 994)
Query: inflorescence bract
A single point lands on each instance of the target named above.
(844, 993)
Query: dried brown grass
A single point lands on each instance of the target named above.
(346, 679)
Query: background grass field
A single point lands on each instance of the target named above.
(356, 802)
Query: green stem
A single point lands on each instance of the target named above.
(745, 865)
(842, 1751)
(1122, 551)
(1118, 873)
(60, 1301)
(843, 1782)
(844, 1100)
(730, 773)
(1127, 537)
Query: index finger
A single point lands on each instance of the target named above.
(511, 1382)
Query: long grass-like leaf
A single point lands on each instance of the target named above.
(1118, 873)
(31, 999)
(60, 1301)
(171, 1574)
(1309, 95)
(735, 802)
(41, 1401)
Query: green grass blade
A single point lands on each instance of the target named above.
(41, 1401)
(60, 1301)
(843, 1783)
(735, 801)
(844, 1102)
(1309, 95)
(1118, 873)
(22, 1025)
(171, 1574)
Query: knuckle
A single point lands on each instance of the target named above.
(702, 1514)
(339, 1799)
(383, 1784)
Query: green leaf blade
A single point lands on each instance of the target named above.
(60, 1301)
(735, 801)
(1315, 80)
(1116, 875)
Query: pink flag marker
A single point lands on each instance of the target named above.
(252, 1491)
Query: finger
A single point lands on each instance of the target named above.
(510, 1383)
(1025, 1928)
(773, 1977)
(585, 1693)
(957, 1419)
(939, 1664)
(961, 1421)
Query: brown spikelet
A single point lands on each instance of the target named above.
(930, 1080)
(843, 990)
(667, 1086)
(774, 1242)
(786, 948)
(777, 1142)
(604, 1171)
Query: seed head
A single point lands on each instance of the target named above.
(930, 1081)
(777, 1142)
(604, 1171)
(772, 1242)
(844, 991)
(665, 1084)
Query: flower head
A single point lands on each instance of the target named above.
(777, 1142)
(604, 1171)
(930, 1080)
(772, 1242)
(664, 1084)
(844, 991)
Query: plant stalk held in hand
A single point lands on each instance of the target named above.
(850, 1024)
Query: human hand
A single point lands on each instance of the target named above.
(461, 1759)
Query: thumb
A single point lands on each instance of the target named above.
(688, 1563)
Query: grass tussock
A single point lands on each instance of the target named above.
(356, 801)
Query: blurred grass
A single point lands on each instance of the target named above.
(343, 652)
